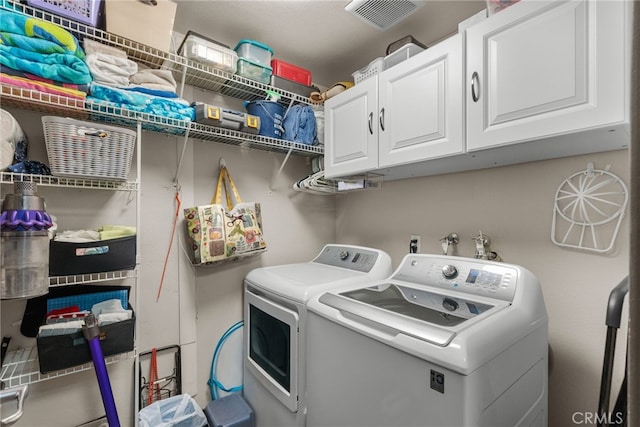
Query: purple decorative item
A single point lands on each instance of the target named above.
(91, 333)
(24, 220)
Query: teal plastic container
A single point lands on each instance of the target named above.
(254, 51)
(271, 117)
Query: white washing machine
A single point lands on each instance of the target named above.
(444, 341)
(275, 301)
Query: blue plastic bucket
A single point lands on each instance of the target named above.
(271, 116)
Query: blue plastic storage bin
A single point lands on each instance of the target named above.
(271, 117)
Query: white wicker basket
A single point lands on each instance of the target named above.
(375, 67)
(78, 149)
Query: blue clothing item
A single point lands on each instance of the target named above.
(30, 166)
(300, 125)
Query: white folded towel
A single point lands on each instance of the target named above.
(155, 79)
(108, 306)
(110, 311)
(107, 318)
(91, 46)
(77, 236)
(111, 70)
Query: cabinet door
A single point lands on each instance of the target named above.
(421, 106)
(351, 131)
(539, 69)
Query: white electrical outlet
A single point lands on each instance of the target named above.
(414, 244)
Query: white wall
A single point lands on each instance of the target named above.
(513, 205)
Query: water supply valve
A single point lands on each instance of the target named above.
(449, 240)
(483, 248)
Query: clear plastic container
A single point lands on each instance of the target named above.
(254, 71)
(255, 52)
(24, 271)
(202, 50)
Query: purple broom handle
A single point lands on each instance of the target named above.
(92, 335)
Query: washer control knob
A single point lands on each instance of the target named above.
(344, 255)
(449, 271)
(450, 304)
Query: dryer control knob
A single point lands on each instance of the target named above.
(344, 255)
(449, 271)
(450, 304)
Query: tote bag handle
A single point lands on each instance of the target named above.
(225, 178)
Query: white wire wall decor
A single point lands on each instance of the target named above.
(589, 207)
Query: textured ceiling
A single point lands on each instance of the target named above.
(317, 34)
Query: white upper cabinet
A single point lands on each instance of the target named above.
(410, 112)
(542, 79)
(351, 130)
(541, 69)
(420, 106)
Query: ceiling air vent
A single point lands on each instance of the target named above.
(382, 14)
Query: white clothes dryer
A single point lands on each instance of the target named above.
(444, 341)
(275, 301)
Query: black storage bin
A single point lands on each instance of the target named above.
(58, 352)
(66, 258)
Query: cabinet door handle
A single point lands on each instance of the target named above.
(371, 123)
(381, 119)
(475, 82)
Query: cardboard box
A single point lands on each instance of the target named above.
(142, 22)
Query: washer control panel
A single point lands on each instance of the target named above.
(478, 277)
(351, 257)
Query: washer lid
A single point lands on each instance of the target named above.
(335, 266)
(420, 313)
(300, 281)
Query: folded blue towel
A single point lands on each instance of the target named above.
(55, 66)
(135, 101)
(44, 37)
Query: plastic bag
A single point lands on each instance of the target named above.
(176, 411)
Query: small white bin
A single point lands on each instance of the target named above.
(375, 67)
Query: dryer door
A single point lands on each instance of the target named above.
(271, 347)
